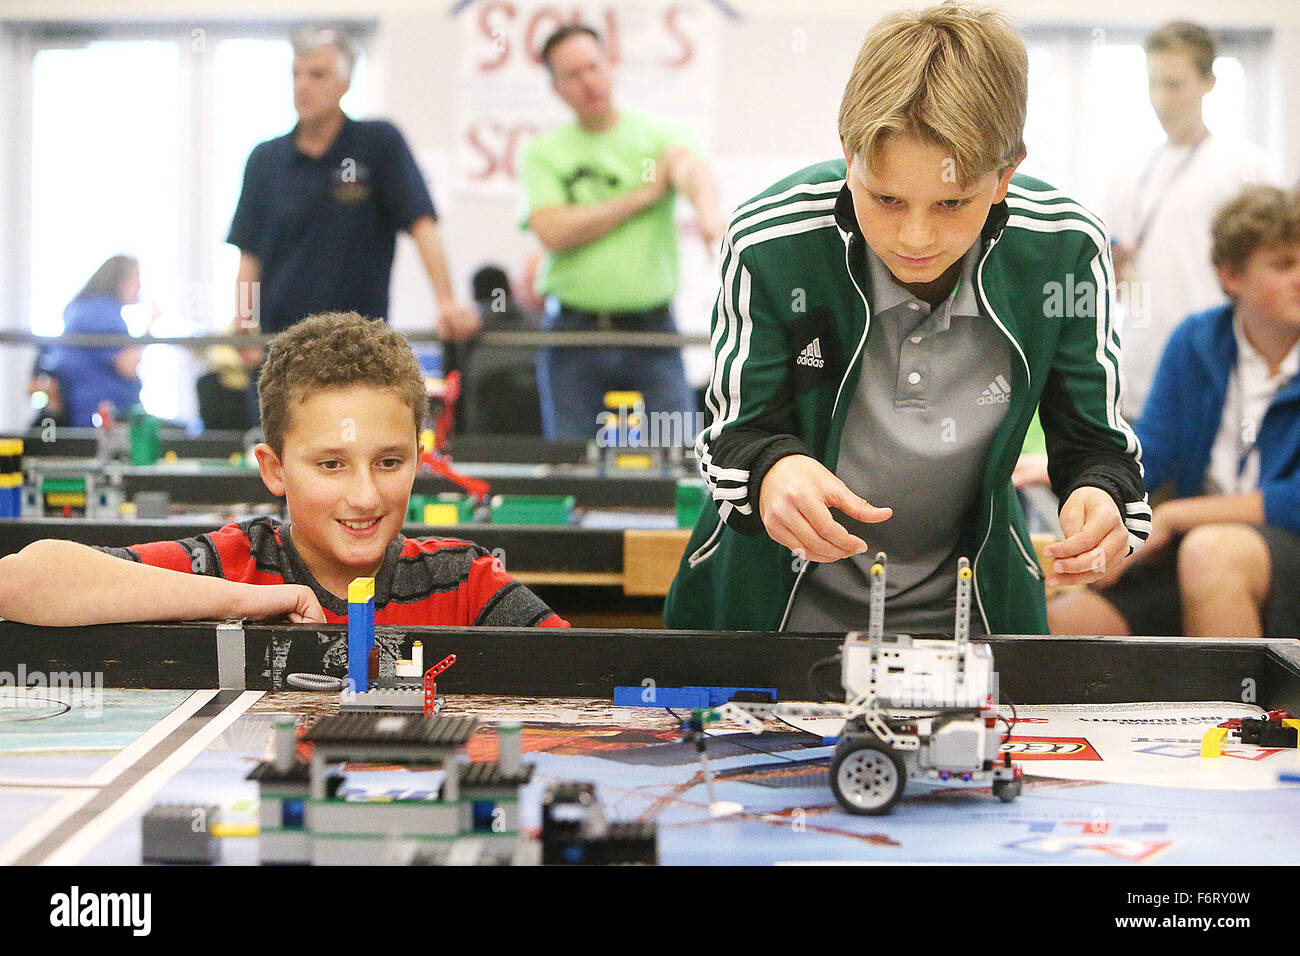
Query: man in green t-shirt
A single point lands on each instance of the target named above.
(599, 193)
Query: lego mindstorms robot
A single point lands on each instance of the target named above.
(919, 709)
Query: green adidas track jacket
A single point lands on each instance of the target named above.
(793, 270)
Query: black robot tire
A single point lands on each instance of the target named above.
(1006, 790)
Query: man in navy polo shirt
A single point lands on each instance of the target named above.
(321, 206)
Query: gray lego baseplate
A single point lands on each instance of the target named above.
(385, 701)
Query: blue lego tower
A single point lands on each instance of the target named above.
(361, 632)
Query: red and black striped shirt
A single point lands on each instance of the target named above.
(420, 581)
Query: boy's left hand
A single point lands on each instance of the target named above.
(1096, 540)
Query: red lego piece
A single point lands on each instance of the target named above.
(430, 688)
(433, 463)
(1278, 715)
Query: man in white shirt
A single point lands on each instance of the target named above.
(1159, 211)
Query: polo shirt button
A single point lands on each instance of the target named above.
(915, 340)
(914, 378)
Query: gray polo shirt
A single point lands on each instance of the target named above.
(934, 387)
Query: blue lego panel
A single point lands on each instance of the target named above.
(683, 697)
(575, 854)
(361, 632)
(291, 814)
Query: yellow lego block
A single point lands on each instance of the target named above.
(1212, 742)
(623, 399)
(361, 590)
(226, 830)
(443, 513)
(70, 499)
(1293, 722)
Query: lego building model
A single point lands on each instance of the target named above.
(473, 818)
(307, 816)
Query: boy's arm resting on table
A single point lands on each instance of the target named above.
(62, 583)
(1092, 452)
(762, 476)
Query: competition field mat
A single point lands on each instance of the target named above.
(1119, 784)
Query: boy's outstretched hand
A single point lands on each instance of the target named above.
(297, 602)
(1096, 540)
(794, 505)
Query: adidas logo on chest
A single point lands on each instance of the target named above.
(997, 392)
(812, 355)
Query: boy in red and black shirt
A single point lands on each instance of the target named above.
(342, 399)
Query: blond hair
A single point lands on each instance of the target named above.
(1254, 219)
(953, 76)
(336, 350)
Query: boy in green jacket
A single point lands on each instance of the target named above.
(886, 328)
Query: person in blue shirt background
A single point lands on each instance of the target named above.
(1221, 429)
(88, 376)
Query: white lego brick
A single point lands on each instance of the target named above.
(465, 852)
(270, 813)
(284, 846)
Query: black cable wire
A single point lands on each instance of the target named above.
(1011, 724)
(814, 679)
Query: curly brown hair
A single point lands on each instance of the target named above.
(1257, 217)
(335, 350)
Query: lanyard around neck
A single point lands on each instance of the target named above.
(1168, 185)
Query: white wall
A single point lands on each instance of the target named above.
(781, 73)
